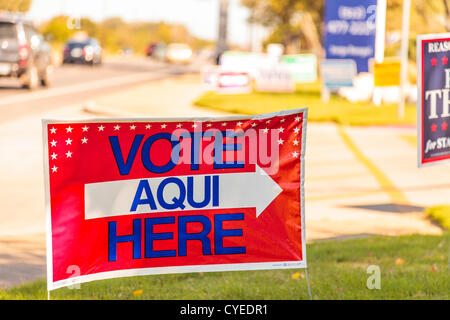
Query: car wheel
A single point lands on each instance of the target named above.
(31, 79)
(46, 79)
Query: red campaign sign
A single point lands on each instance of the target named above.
(150, 196)
(433, 108)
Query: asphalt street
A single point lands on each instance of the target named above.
(75, 83)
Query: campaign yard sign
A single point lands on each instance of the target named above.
(129, 197)
(337, 73)
(233, 82)
(433, 103)
(303, 67)
(350, 31)
(274, 79)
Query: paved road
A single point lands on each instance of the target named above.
(75, 83)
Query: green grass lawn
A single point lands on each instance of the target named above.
(308, 95)
(412, 267)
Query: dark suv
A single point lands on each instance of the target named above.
(83, 50)
(24, 54)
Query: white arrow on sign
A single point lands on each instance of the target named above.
(236, 190)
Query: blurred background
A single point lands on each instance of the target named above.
(186, 58)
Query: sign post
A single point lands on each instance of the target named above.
(127, 197)
(433, 107)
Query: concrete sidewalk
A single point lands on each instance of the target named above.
(348, 189)
(393, 155)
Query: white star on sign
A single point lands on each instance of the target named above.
(132, 127)
(296, 130)
(84, 140)
(295, 142)
(148, 126)
(179, 125)
(68, 141)
(163, 126)
(54, 156)
(268, 121)
(297, 118)
(69, 154)
(239, 123)
(101, 128)
(283, 120)
(69, 129)
(295, 154)
(209, 125)
(265, 130)
(224, 124)
(85, 128)
(54, 168)
(53, 130)
(53, 143)
(281, 129)
(116, 127)
(253, 124)
(280, 141)
(194, 125)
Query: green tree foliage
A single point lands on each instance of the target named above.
(115, 34)
(56, 29)
(283, 16)
(15, 5)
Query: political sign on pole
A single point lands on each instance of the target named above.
(350, 30)
(387, 73)
(128, 197)
(337, 73)
(433, 101)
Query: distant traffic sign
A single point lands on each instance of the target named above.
(433, 103)
(129, 197)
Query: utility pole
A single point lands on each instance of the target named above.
(223, 26)
(404, 57)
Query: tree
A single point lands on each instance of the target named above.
(303, 19)
(15, 5)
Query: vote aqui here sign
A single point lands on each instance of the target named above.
(433, 103)
(141, 196)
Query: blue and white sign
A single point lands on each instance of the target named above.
(337, 73)
(350, 31)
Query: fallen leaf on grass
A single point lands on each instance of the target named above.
(399, 261)
(433, 268)
(137, 293)
(297, 275)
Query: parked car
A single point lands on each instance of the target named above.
(24, 53)
(178, 52)
(85, 51)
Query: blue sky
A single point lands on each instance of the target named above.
(200, 16)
